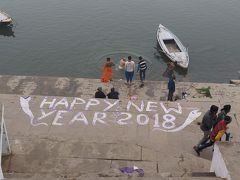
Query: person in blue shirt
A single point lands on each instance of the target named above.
(171, 87)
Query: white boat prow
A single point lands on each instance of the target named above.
(5, 19)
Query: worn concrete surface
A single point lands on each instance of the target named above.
(65, 136)
(230, 155)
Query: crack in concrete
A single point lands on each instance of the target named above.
(110, 159)
(181, 160)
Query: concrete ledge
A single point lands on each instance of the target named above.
(234, 81)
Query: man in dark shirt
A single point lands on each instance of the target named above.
(100, 93)
(208, 120)
(171, 87)
(113, 94)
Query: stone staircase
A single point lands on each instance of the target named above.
(48, 158)
(59, 149)
(103, 176)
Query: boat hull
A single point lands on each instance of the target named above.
(5, 19)
(5, 23)
(172, 47)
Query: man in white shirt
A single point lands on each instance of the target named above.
(129, 70)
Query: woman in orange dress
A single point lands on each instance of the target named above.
(107, 71)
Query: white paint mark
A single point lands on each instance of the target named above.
(62, 102)
(28, 87)
(179, 110)
(79, 117)
(57, 117)
(110, 105)
(14, 82)
(169, 121)
(122, 121)
(62, 83)
(76, 101)
(99, 116)
(156, 121)
(50, 103)
(139, 109)
(144, 117)
(168, 124)
(92, 102)
(44, 115)
(151, 105)
(24, 102)
(191, 117)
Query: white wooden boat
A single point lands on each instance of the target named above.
(172, 47)
(5, 19)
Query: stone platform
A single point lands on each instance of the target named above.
(57, 130)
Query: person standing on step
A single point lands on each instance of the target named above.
(107, 71)
(171, 87)
(122, 62)
(142, 66)
(169, 70)
(208, 120)
(129, 70)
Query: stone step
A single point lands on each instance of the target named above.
(203, 174)
(64, 157)
(202, 178)
(100, 176)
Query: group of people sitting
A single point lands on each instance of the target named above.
(214, 127)
(128, 66)
(113, 94)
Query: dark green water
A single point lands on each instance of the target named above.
(73, 37)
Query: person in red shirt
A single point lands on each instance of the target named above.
(215, 135)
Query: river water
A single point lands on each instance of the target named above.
(73, 37)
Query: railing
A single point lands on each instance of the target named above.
(4, 142)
